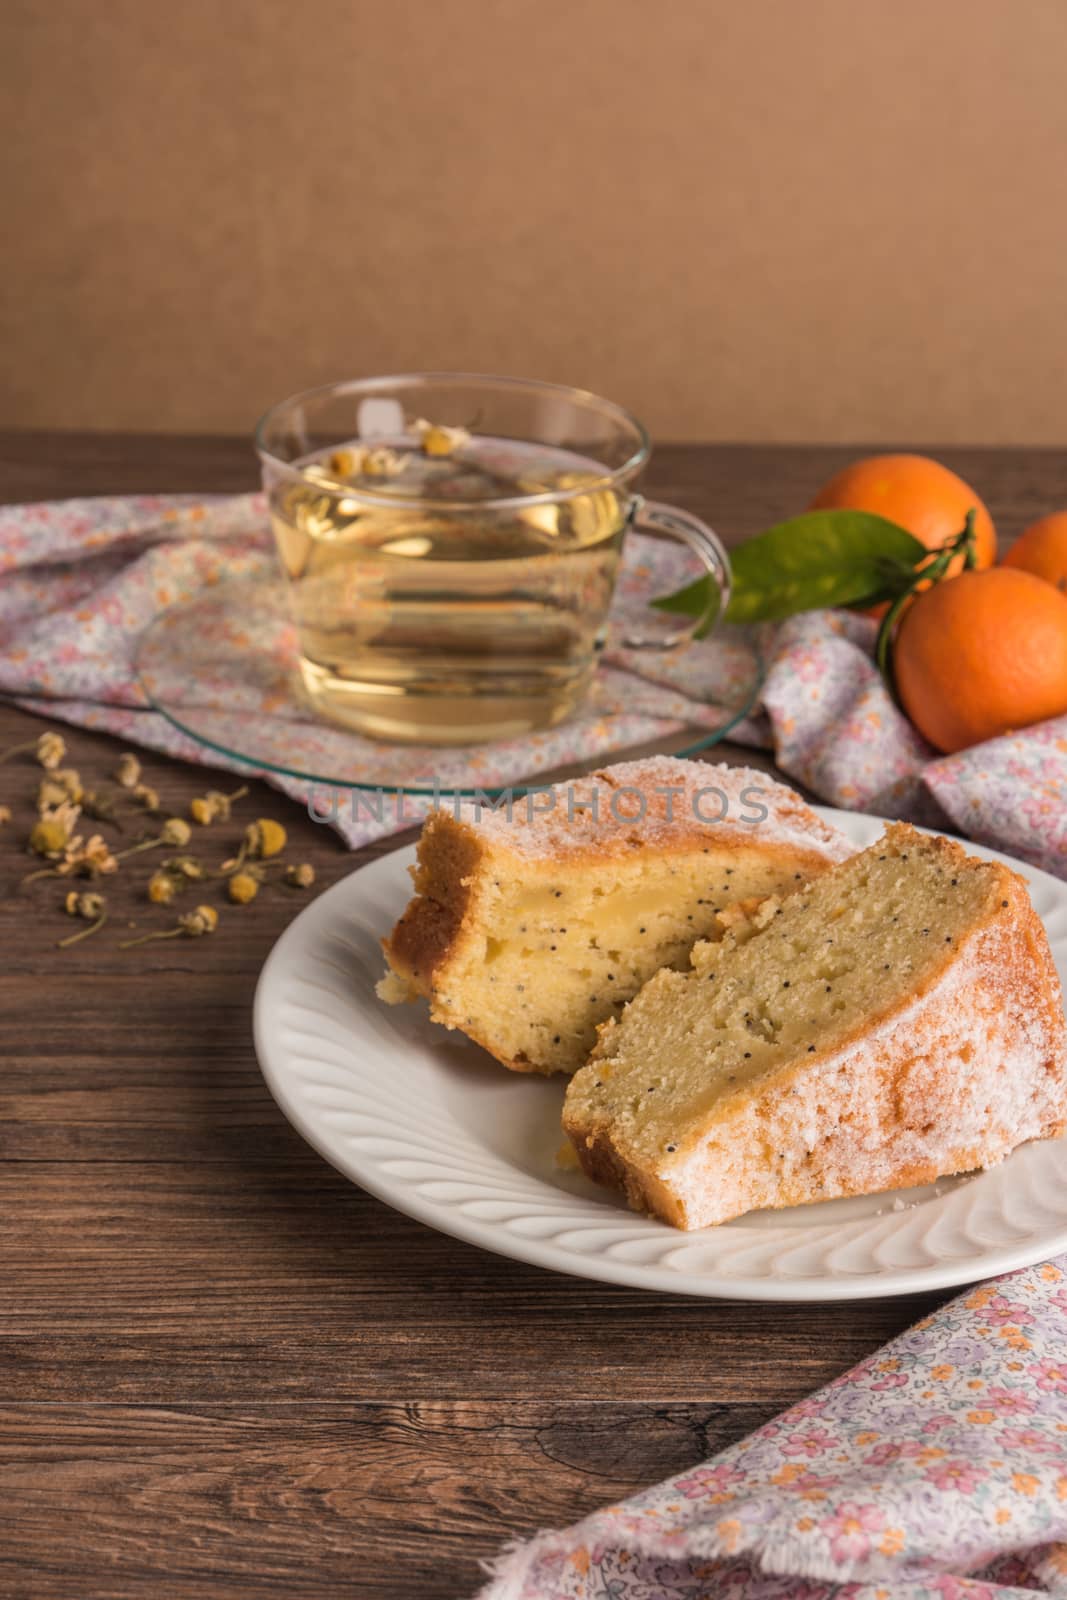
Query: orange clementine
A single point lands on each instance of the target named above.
(917, 493)
(982, 654)
(1042, 549)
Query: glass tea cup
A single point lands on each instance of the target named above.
(451, 544)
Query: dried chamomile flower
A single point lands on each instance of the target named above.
(67, 812)
(262, 838)
(52, 838)
(183, 867)
(58, 787)
(5, 815)
(381, 462)
(51, 748)
(174, 831)
(91, 908)
(128, 770)
(146, 796)
(87, 859)
(63, 784)
(437, 440)
(205, 919)
(365, 461)
(48, 837)
(172, 877)
(265, 838)
(214, 806)
(162, 887)
(87, 905)
(100, 806)
(51, 833)
(300, 876)
(242, 887)
(50, 794)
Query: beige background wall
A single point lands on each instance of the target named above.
(748, 219)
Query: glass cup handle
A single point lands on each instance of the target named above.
(651, 516)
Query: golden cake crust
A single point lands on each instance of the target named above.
(993, 1001)
(461, 855)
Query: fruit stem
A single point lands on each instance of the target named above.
(883, 652)
(933, 571)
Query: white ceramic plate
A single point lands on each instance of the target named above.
(430, 1124)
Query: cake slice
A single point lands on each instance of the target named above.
(898, 1020)
(528, 930)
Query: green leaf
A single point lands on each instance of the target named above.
(823, 558)
(691, 600)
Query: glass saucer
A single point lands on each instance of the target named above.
(222, 668)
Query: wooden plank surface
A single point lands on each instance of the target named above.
(223, 1369)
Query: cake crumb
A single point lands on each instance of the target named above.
(567, 1157)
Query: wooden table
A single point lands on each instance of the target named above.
(227, 1371)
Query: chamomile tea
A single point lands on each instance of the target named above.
(446, 586)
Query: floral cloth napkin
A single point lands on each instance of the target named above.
(937, 1467)
(81, 579)
(834, 726)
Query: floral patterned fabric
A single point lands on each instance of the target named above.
(834, 727)
(937, 1467)
(80, 579)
